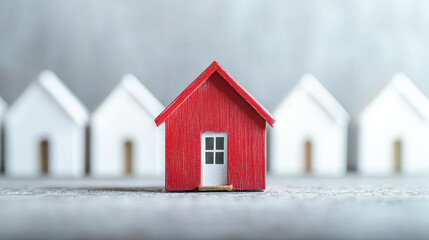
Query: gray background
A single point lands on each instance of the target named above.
(353, 47)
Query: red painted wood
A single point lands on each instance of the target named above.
(215, 67)
(214, 106)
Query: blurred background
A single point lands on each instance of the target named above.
(353, 47)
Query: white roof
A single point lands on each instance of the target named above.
(138, 92)
(402, 85)
(59, 92)
(309, 84)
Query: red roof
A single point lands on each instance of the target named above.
(215, 67)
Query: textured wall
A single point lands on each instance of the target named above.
(353, 46)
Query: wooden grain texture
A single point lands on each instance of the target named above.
(215, 67)
(214, 188)
(214, 106)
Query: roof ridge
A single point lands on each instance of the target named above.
(412, 94)
(63, 96)
(215, 67)
(141, 94)
(406, 89)
(132, 87)
(323, 97)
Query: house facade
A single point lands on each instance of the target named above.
(124, 140)
(394, 130)
(215, 135)
(45, 131)
(311, 134)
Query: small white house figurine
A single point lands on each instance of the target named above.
(124, 139)
(311, 133)
(394, 131)
(45, 131)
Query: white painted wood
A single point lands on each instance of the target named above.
(45, 110)
(399, 112)
(128, 113)
(214, 174)
(309, 113)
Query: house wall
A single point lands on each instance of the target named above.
(388, 118)
(302, 119)
(216, 107)
(34, 117)
(118, 119)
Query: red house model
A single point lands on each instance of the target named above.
(215, 136)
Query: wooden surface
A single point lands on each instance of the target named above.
(215, 106)
(294, 208)
(214, 188)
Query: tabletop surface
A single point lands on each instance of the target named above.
(304, 208)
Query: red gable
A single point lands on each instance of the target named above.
(215, 67)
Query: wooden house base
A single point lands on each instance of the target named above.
(215, 188)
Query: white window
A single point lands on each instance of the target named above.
(214, 150)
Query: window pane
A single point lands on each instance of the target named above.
(219, 143)
(209, 157)
(209, 143)
(219, 158)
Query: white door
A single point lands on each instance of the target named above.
(214, 156)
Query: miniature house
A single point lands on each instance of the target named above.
(215, 136)
(394, 131)
(45, 131)
(311, 134)
(124, 140)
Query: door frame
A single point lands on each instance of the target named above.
(203, 155)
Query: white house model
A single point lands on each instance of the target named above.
(394, 131)
(311, 132)
(45, 131)
(124, 138)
